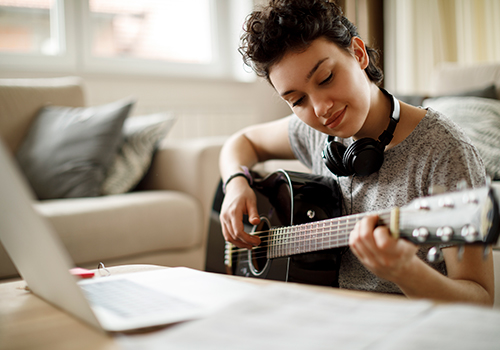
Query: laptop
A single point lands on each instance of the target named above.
(116, 303)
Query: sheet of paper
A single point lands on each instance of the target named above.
(287, 317)
(457, 327)
(210, 290)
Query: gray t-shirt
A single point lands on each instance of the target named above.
(436, 153)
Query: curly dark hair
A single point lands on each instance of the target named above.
(292, 25)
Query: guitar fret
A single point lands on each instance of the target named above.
(284, 241)
(295, 241)
(276, 242)
(314, 236)
(279, 245)
(298, 243)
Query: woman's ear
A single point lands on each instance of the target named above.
(359, 52)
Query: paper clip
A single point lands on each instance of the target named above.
(101, 268)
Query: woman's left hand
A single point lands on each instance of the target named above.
(379, 252)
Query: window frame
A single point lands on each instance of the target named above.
(76, 57)
(65, 61)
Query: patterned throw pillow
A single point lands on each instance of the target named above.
(142, 135)
(480, 119)
(67, 150)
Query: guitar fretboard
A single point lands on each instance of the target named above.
(315, 236)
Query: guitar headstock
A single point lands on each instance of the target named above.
(463, 217)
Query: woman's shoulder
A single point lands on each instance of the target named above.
(436, 126)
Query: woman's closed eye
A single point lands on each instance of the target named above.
(327, 80)
(301, 100)
(298, 102)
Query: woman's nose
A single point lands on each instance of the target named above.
(321, 106)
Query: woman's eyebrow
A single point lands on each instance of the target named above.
(315, 68)
(309, 75)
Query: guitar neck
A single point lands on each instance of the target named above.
(315, 236)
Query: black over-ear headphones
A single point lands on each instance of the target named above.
(364, 156)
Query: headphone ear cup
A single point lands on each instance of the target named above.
(363, 157)
(333, 155)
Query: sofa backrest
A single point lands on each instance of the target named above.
(20, 100)
(452, 78)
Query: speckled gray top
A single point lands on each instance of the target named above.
(437, 152)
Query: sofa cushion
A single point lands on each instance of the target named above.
(485, 92)
(141, 137)
(130, 224)
(68, 150)
(480, 119)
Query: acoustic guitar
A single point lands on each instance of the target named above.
(303, 235)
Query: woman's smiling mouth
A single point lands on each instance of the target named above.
(335, 119)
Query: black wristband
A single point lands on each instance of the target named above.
(245, 174)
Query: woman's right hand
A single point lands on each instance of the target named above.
(239, 200)
(254, 144)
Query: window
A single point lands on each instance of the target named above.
(142, 29)
(157, 37)
(25, 27)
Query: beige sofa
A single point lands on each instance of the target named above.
(165, 222)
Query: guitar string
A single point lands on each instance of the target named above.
(294, 230)
(278, 244)
(259, 254)
(313, 246)
(347, 224)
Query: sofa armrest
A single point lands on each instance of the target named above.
(189, 166)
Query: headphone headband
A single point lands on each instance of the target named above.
(386, 137)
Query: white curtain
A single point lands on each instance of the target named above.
(421, 34)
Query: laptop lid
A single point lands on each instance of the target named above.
(43, 262)
(38, 254)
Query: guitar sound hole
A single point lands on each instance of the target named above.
(258, 256)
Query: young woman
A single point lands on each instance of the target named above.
(318, 64)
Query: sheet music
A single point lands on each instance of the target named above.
(280, 317)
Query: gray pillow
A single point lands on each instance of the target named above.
(480, 119)
(489, 91)
(486, 92)
(142, 135)
(68, 150)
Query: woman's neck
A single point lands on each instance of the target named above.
(378, 117)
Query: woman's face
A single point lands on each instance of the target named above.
(326, 86)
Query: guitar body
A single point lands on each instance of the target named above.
(288, 198)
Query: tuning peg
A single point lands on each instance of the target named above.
(445, 233)
(469, 233)
(435, 255)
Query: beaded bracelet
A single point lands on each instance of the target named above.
(246, 174)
